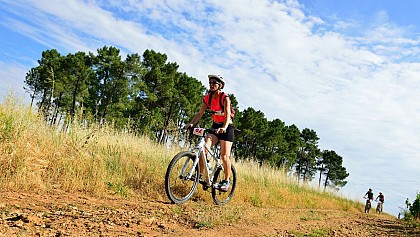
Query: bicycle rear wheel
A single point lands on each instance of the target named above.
(379, 208)
(177, 186)
(220, 197)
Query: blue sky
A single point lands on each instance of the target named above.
(404, 12)
(348, 69)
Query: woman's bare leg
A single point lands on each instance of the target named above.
(225, 147)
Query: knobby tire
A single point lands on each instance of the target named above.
(219, 197)
(367, 207)
(379, 208)
(177, 187)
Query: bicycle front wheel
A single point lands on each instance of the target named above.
(177, 185)
(220, 197)
(367, 207)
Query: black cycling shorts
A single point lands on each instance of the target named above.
(229, 135)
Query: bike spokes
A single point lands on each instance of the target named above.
(178, 186)
(223, 197)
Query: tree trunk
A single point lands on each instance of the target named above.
(320, 175)
(326, 181)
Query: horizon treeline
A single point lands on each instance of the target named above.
(148, 95)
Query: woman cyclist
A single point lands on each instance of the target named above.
(380, 206)
(222, 124)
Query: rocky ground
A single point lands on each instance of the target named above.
(24, 214)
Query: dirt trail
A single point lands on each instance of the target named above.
(25, 214)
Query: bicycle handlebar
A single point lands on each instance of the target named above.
(200, 131)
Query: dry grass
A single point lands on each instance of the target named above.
(100, 161)
(34, 156)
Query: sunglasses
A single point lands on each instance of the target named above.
(213, 82)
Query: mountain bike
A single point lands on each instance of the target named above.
(183, 174)
(368, 205)
(379, 207)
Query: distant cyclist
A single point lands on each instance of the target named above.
(369, 200)
(381, 197)
(222, 124)
(369, 195)
(380, 206)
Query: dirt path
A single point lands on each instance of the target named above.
(25, 214)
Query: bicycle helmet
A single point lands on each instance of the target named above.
(217, 78)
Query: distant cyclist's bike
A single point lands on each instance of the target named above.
(379, 207)
(368, 205)
(183, 173)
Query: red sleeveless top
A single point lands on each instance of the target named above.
(217, 111)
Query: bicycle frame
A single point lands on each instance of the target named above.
(183, 173)
(368, 205)
(379, 207)
(198, 150)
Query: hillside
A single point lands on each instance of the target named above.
(64, 214)
(95, 181)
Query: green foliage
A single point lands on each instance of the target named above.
(177, 209)
(78, 76)
(203, 224)
(311, 215)
(411, 214)
(253, 127)
(119, 189)
(315, 233)
(414, 207)
(256, 200)
(308, 152)
(331, 166)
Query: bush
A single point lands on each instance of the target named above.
(412, 212)
(415, 208)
